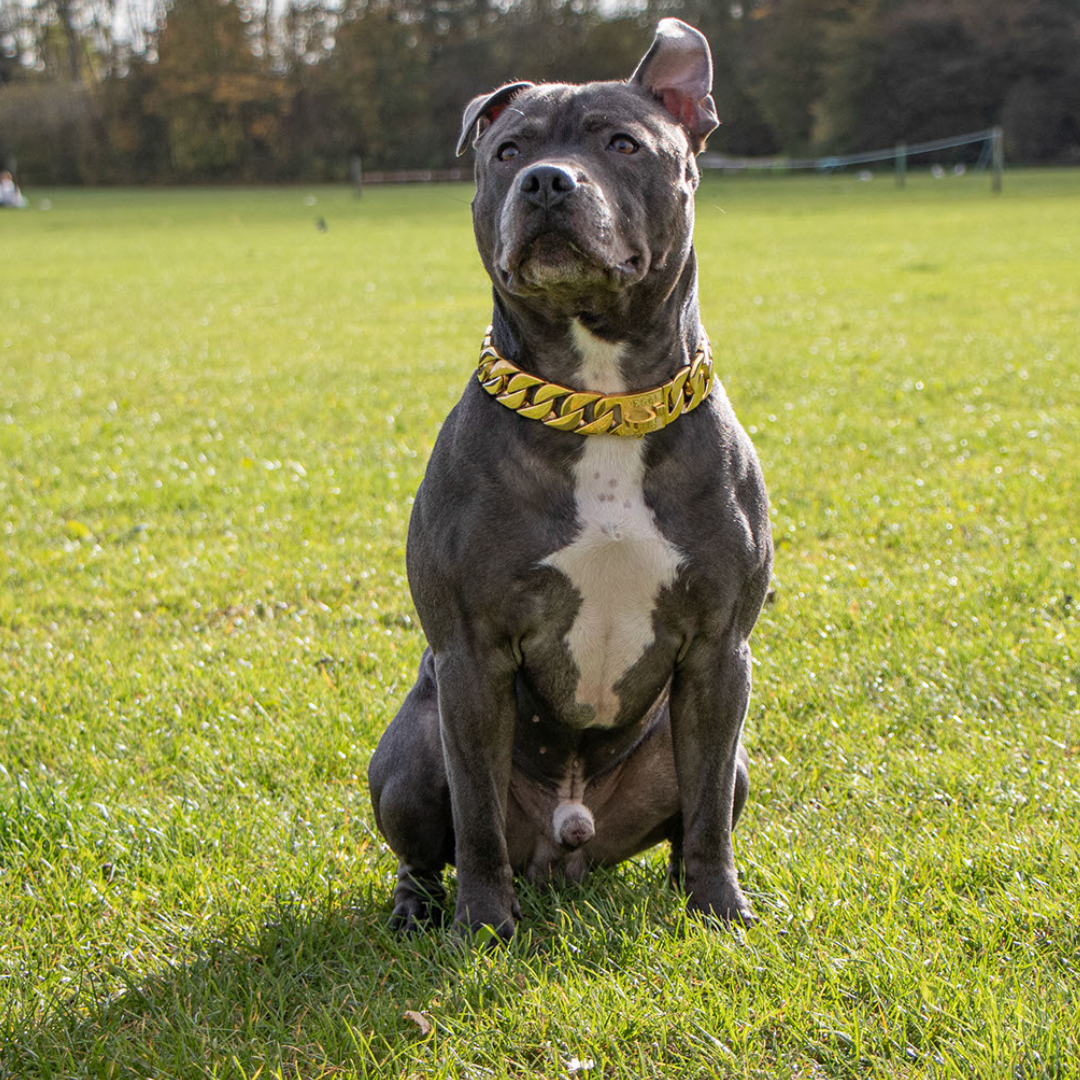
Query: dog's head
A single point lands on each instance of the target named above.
(586, 192)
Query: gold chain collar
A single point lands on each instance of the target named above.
(587, 413)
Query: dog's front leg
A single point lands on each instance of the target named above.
(476, 720)
(709, 698)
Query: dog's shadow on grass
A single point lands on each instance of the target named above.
(320, 984)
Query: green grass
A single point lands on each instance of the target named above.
(212, 420)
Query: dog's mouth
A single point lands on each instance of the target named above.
(553, 260)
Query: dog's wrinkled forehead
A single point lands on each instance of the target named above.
(671, 84)
(559, 114)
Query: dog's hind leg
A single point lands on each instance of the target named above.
(411, 798)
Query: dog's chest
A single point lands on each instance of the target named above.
(618, 561)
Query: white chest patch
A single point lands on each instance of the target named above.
(619, 560)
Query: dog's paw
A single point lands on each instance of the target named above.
(418, 900)
(485, 934)
(487, 923)
(724, 904)
(415, 915)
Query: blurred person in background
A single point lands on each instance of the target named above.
(10, 195)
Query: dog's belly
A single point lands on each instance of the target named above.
(618, 563)
(629, 803)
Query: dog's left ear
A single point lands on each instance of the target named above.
(482, 111)
(677, 71)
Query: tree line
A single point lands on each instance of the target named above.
(113, 91)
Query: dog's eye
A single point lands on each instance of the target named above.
(623, 144)
(507, 151)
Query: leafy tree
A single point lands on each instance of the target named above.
(792, 75)
(377, 79)
(249, 90)
(220, 105)
(919, 69)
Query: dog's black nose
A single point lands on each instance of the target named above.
(546, 185)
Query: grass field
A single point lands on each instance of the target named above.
(213, 416)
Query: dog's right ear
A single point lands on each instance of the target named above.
(481, 112)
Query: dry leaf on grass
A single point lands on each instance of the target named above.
(419, 1019)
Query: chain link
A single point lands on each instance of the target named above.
(587, 413)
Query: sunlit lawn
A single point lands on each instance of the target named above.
(213, 416)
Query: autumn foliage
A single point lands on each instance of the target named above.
(249, 91)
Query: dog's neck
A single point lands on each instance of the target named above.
(639, 344)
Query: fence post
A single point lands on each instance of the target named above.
(901, 164)
(357, 169)
(997, 159)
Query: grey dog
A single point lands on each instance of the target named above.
(587, 598)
